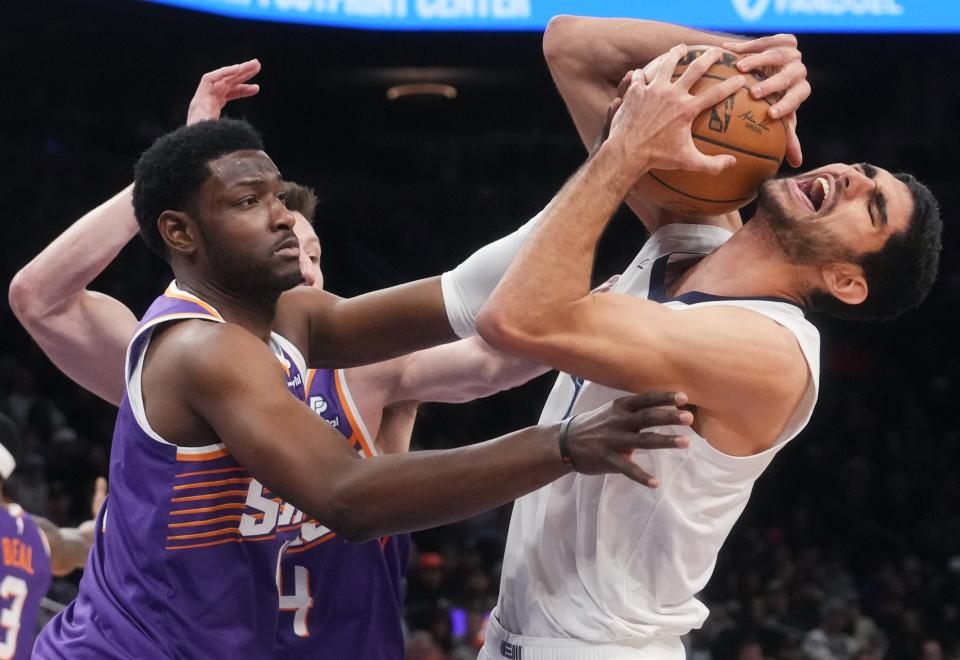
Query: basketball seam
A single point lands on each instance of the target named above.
(699, 199)
(733, 148)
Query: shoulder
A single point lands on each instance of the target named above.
(198, 349)
(297, 308)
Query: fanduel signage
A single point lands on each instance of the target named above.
(727, 15)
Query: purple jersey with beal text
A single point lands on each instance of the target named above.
(338, 599)
(24, 580)
(184, 564)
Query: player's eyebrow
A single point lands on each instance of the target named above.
(878, 198)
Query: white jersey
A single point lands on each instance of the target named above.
(602, 559)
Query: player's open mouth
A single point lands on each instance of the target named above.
(815, 192)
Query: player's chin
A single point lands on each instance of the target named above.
(287, 276)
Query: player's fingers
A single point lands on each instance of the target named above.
(635, 402)
(625, 84)
(769, 59)
(650, 440)
(697, 68)
(790, 100)
(246, 71)
(790, 76)
(646, 418)
(99, 495)
(631, 470)
(669, 64)
(761, 43)
(794, 152)
(221, 73)
(713, 95)
(710, 164)
(242, 91)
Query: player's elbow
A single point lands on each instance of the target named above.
(352, 524)
(25, 298)
(506, 331)
(559, 39)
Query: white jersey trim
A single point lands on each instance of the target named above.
(293, 351)
(341, 376)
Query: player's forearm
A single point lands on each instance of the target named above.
(59, 274)
(69, 546)
(379, 326)
(587, 49)
(554, 266)
(408, 492)
(462, 371)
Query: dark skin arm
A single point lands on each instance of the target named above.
(197, 392)
(346, 332)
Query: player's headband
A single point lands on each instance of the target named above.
(7, 463)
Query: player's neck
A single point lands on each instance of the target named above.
(747, 265)
(255, 316)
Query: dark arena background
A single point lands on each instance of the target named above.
(854, 531)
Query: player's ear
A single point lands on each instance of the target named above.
(178, 231)
(845, 282)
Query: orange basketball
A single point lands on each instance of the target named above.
(738, 126)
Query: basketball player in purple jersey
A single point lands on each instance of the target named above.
(32, 550)
(330, 590)
(211, 200)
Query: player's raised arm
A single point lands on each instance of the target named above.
(589, 56)
(302, 459)
(85, 333)
(542, 308)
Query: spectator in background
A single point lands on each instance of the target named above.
(33, 550)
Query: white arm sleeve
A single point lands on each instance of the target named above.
(467, 287)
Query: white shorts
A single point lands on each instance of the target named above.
(502, 645)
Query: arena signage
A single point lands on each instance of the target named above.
(728, 15)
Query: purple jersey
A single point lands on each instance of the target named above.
(338, 599)
(24, 580)
(184, 564)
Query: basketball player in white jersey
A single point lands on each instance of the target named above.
(596, 570)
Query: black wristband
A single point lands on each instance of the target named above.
(564, 443)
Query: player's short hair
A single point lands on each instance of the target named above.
(900, 274)
(300, 198)
(170, 172)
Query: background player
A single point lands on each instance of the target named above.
(33, 550)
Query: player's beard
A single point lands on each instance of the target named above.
(259, 281)
(803, 240)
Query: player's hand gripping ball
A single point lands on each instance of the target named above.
(738, 126)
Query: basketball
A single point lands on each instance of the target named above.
(738, 126)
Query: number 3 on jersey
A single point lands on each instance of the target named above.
(16, 589)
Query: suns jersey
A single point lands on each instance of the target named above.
(24, 580)
(601, 559)
(187, 545)
(338, 599)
